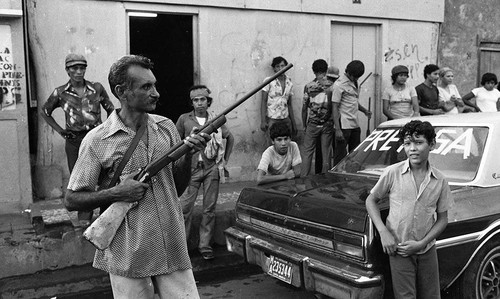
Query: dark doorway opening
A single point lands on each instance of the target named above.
(168, 41)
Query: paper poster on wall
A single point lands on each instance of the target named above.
(10, 77)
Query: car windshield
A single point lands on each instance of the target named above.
(457, 153)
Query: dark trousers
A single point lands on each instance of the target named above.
(352, 138)
(72, 147)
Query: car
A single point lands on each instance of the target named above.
(315, 233)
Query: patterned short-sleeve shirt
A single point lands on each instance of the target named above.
(151, 240)
(277, 98)
(82, 113)
(317, 97)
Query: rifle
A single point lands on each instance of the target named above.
(369, 117)
(102, 231)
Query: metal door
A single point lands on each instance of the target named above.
(359, 42)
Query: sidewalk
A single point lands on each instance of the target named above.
(43, 253)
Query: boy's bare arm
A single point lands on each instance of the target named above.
(263, 178)
(411, 247)
(388, 241)
(296, 170)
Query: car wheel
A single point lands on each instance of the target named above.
(481, 279)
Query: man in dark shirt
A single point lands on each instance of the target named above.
(81, 101)
(427, 92)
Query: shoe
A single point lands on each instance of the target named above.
(208, 255)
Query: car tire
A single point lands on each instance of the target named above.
(481, 279)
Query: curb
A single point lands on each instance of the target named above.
(43, 254)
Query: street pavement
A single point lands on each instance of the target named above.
(43, 253)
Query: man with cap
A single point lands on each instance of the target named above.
(400, 100)
(205, 167)
(317, 117)
(81, 101)
(345, 98)
(333, 73)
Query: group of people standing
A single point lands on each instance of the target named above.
(149, 251)
(437, 94)
(329, 116)
(331, 104)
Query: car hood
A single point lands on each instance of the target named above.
(336, 200)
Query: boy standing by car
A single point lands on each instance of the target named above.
(280, 161)
(417, 191)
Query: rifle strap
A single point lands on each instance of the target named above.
(143, 127)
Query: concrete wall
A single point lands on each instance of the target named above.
(236, 43)
(57, 28)
(413, 44)
(467, 22)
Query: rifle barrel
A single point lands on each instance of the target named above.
(181, 148)
(255, 90)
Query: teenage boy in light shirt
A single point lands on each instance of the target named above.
(281, 160)
(417, 192)
(345, 107)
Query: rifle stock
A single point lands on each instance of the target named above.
(102, 231)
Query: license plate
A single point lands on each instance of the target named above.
(280, 269)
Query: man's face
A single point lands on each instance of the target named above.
(417, 149)
(200, 105)
(76, 72)
(280, 144)
(434, 76)
(142, 95)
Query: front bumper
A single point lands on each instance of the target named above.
(337, 280)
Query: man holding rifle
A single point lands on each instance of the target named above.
(150, 245)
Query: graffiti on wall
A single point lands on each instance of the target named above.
(10, 76)
(410, 55)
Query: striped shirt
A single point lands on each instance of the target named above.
(151, 240)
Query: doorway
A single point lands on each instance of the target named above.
(167, 39)
(359, 42)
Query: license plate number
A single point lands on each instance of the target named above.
(280, 269)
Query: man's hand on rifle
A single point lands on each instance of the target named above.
(129, 189)
(197, 141)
